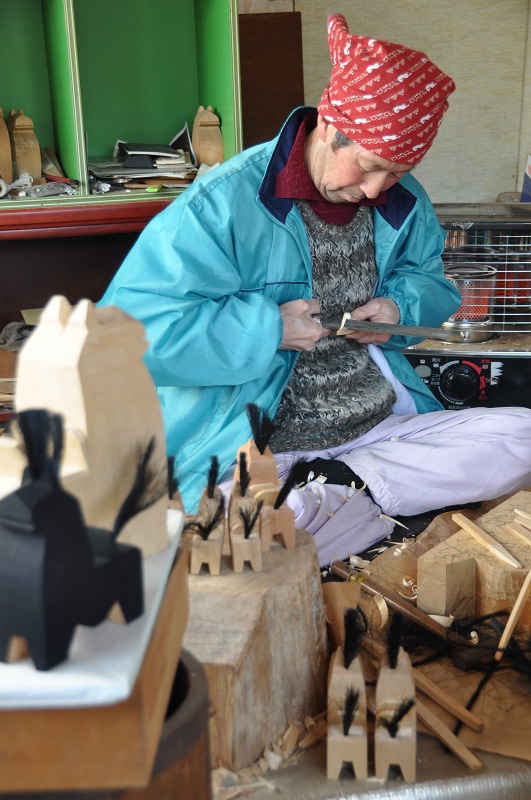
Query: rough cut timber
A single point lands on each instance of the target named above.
(459, 576)
(261, 637)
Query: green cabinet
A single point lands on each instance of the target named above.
(89, 72)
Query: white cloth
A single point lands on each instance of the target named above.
(414, 463)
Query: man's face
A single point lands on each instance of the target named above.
(348, 174)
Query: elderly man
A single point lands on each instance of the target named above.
(231, 278)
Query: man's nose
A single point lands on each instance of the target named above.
(373, 183)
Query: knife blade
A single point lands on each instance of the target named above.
(392, 329)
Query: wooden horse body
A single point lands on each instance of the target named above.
(86, 364)
(207, 550)
(243, 548)
(392, 688)
(352, 746)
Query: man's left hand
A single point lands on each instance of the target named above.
(379, 309)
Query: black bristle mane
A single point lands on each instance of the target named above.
(392, 725)
(148, 487)
(42, 433)
(394, 638)
(212, 479)
(245, 476)
(291, 481)
(262, 426)
(173, 484)
(355, 624)
(249, 517)
(205, 528)
(351, 703)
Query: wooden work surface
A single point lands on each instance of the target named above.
(107, 746)
(261, 638)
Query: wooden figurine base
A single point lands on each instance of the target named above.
(107, 746)
(261, 638)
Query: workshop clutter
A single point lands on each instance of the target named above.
(25, 168)
(86, 542)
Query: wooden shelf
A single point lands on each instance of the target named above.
(79, 220)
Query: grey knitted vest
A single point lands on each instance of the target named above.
(336, 391)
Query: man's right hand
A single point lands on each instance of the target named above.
(301, 331)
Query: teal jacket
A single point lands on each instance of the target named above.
(206, 278)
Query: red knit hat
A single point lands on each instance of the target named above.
(384, 96)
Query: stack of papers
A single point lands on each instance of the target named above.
(138, 161)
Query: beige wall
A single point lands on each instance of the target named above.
(481, 148)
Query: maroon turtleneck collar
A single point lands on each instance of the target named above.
(294, 182)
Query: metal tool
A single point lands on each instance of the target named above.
(399, 330)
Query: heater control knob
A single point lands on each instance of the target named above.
(459, 383)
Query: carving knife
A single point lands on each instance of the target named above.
(391, 329)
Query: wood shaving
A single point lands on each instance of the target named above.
(298, 737)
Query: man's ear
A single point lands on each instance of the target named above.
(322, 128)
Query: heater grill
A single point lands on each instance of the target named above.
(495, 241)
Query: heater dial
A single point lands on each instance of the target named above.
(459, 383)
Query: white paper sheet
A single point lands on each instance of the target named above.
(104, 661)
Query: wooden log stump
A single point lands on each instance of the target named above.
(261, 637)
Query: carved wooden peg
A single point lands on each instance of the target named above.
(25, 149)
(206, 137)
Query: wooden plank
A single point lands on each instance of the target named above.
(107, 746)
(445, 735)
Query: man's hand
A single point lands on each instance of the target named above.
(301, 332)
(379, 309)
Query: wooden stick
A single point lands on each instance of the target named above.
(519, 530)
(445, 735)
(514, 616)
(521, 513)
(430, 688)
(526, 523)
(446, 701)
(392, 598)
(486, 540)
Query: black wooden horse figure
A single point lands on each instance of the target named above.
(55, 572)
